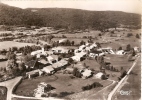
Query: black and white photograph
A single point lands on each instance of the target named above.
(70, 49)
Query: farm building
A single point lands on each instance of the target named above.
(94, 45)
(82, 47)
(86, 73)
(52, 59)
(136, 49)
(31, 64)
(63, 40)
(39, 52)
(48, 69)
(99, 75)
(60, 50)
(34, 73)
(121, 52)
(44, 62)
(76, 58)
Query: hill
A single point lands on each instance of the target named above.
(67, 18)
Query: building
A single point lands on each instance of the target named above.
(60, 50)
(136, 49)
(99, 75)
(63, 40)
(52, 59)
(86, 73)
(76, 58)
(34, 73)
(31, 64)
(39, 52)
(120, 52)
(48, 70)
(82, 47)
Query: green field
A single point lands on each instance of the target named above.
(9, 44)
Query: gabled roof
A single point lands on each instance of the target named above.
(43, 61)
(49, 68)
(31, 63)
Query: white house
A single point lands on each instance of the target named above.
(51, 60)
(76, 58)
(82, 47)
(136, 49)
(99, 75)
(60, 50)
(87, 73)
(48, 69)
(39, 52)
(120, 52)
(62, 40)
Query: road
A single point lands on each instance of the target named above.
(10, 84)
(122, 80)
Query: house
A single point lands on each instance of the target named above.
(93, 55)
(93, 45)
(44, 62)
(63, 62)
(81, 54)
(76, 58)
(34, 73)
(99, 75)
(120, 52)
(39, 52)
(63, 40)
(60, 50)
(136, 49)
(3, 58)
(52, 59)
(31, 64)
(82, 47)
(86, 73)
(48, 69)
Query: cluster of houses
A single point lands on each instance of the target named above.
(53, 63)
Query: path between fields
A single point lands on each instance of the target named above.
(10, 84)
(122, 80)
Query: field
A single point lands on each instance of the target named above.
(117, 61)
(3, 93)
(9, 44)
(79, 35)
(61, 83)
(133, 85)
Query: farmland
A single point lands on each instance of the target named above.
(9, 44)
(132, 84)
(61, 83)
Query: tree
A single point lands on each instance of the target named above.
(120, 48)
(103, 77)
(72, 43)
(137, 36)
(128, 47)
(22, 67)
(129, 34)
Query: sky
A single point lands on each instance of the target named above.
(132, 6)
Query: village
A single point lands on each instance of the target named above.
(62, 64)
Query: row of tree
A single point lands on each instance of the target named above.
(93, 85)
